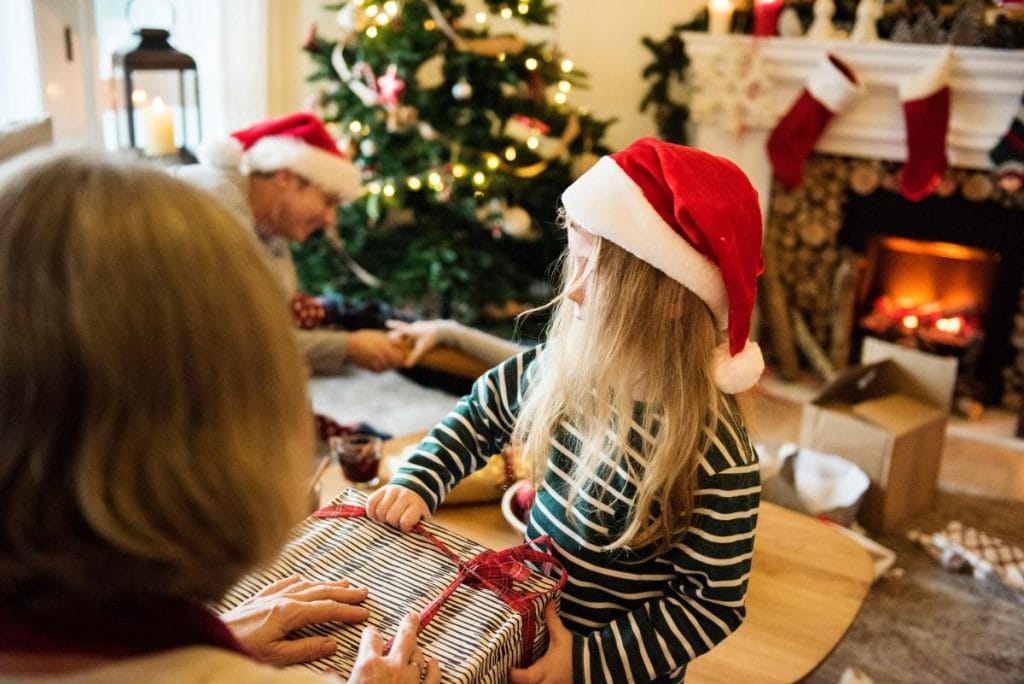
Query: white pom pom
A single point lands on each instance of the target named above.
(225, 153)
(735, 374)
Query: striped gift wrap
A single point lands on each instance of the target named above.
(475, 634)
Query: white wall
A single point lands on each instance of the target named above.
(603, 38)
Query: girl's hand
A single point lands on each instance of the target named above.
(397, 506)
(404, 664)
(423, 335)
(263, 623)
(555, 666)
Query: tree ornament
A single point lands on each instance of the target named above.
(462, 90)
(516, 222)
(352, 18)
(822, 28)
(865, 30)
(402, 118)
(365, 89)
(389, 86)
(430, 75)
(521, 128)
(368, 147)
(427, 132)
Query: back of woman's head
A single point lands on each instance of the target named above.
(154, 427)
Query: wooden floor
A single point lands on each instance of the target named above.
(980, 458)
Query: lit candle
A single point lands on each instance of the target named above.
(158, 122)
(766, 14)
(720, 16)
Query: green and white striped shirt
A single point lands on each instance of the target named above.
(635, 617)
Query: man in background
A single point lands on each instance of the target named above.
(286, 178)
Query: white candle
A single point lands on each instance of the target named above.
(720, 16)
(158, 123)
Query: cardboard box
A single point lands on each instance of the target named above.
(887, 415)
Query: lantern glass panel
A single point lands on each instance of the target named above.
(157, 98)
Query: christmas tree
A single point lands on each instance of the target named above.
(465, 138)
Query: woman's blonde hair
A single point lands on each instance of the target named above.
(645, 338)
(155, 433)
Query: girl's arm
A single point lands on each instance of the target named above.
(702, 606)
(478, 427)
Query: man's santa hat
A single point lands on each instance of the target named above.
(297, 142)
(696, 218)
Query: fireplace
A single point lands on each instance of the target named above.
(847, 241)
(931, 295)
(943, 275)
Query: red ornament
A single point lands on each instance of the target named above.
(389, 86)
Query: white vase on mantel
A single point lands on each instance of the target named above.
(789, 25)
(865, 29)
(822, 28)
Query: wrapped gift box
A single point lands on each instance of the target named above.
(475, 625)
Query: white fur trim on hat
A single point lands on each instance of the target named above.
(735, 374)
(222, 153)
(330, 172)
(832, 87)
(929, 80)
(606, 202)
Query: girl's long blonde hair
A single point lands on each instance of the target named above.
(643, 337)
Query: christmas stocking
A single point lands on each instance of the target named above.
(830, 89)
(1008, 155)
(925, 98)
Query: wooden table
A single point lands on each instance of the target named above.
(806, 585)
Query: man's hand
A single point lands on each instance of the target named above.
(263, 622)
(374, 350)
(397, 506)
(555, 666)
(404, 664)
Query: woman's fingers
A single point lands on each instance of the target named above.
(405, 639)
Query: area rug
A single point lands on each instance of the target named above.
(931, 625)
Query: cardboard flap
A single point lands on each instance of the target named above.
(860, 383)
(928, 377)
(897, 413)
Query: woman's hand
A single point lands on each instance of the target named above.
(397, 506)
(555, 666)
(424, 336)
(263, 622)
(405, 664)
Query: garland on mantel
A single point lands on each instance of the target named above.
(909, 21)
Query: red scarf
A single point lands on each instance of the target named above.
(116, 631)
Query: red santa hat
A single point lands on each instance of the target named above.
(297, 142)
(696, 218)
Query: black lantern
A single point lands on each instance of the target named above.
(158, 106)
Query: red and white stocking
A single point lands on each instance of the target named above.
(830, 89)
(925, 98)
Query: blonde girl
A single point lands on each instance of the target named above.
(646, 480)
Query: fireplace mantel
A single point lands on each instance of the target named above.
(986, 90)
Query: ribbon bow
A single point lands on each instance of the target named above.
(497, 571)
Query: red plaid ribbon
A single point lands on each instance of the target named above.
(497, 571)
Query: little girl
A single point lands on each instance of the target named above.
(646, 480)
